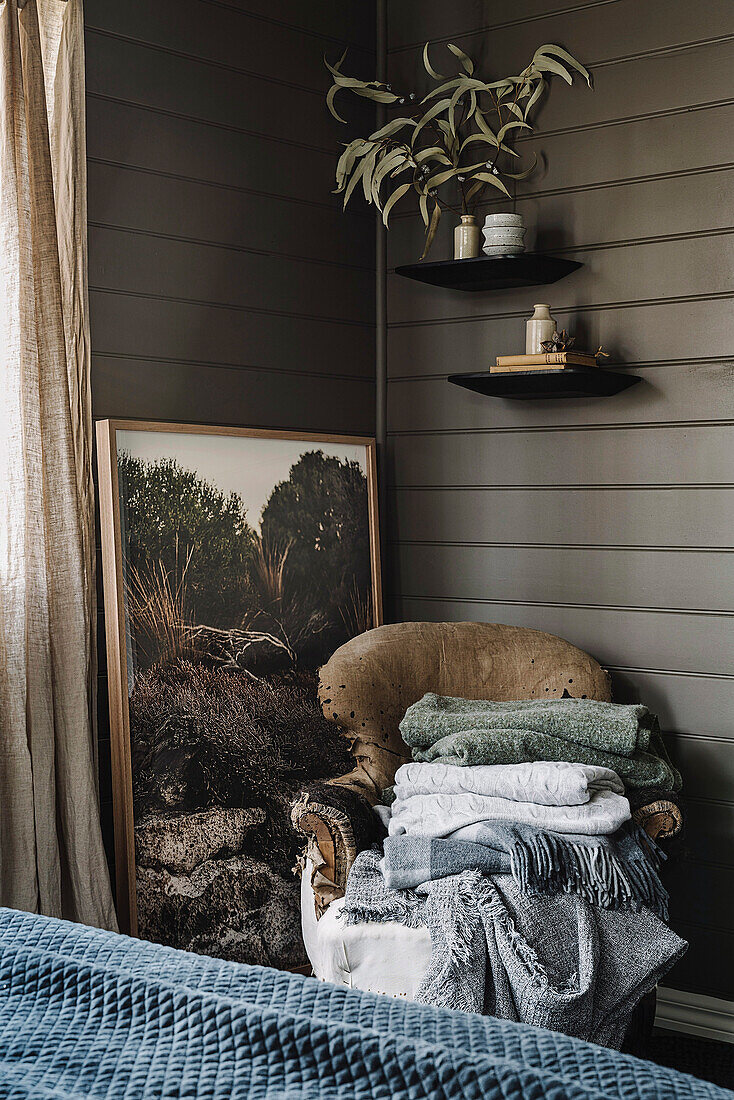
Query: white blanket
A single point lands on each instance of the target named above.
(441, 815)
(547, 783)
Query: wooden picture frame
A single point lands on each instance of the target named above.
(116, 621)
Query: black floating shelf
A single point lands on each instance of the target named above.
(547, 384)
(491, 272)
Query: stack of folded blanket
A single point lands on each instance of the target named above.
(511, 838)
(552, 826)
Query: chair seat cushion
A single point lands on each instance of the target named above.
(379, 957)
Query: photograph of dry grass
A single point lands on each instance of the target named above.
(244, 561)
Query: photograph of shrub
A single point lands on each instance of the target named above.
(235, 561)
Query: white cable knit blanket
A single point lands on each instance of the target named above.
(546, 783)
(455, 798)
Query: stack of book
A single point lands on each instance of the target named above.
(544, 360)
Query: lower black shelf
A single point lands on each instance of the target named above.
(547, 384)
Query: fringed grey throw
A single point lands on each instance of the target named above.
(613, 872)
(557, 962)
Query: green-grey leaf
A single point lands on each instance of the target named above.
(560, 52)
(504, 84)
(535, 96)
(441, 177)
(473, 190)
(485, 128)
(330, 102)
(455, 83)
(469, 83)
(349, 81)
(392, 160)
(435, 219)
(424, 208)
(495, 181)
(392, 128)
(433, 152)
(479, 137)
(377, 96)
(356, 176)
(369, 167)
(395, 197)
(522, 175)
(354, 149)
(334, 69)
(460, 91)
(512, 126)
(548, 65)
(436, 109)
(428, 67)
(466, 61)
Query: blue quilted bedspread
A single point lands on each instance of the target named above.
(85, 1013)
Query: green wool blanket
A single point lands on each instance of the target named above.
(581, 731)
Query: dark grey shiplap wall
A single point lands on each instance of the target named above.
(609, 521)
(226, 286)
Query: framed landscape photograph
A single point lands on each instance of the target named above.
(235, 561)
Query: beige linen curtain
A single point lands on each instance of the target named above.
(51, 854)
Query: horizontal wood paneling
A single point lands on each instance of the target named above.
(185, 392)
(631, 149)
(680, 455)
(352, 23)
(667, 393)
(142, 264)
(414, 21)
(224, 98)
(692, 642)
(708, 965)
(124, 134)
(709, 829)
(695, 887)
(707, 767)
(624, 578)
(236, 219)
(698, 705)
(226, 37)
(610, 28)
(563, 516)
(631, 332)
(160, 329)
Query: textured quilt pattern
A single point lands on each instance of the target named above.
(85, 1013)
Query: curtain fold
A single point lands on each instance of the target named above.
(51, 854)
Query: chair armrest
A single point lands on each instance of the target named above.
(659, 813)
(337, 823)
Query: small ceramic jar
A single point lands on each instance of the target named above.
(503, 235)
(467, 238)
(538, 328)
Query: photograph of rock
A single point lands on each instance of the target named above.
(235, 562)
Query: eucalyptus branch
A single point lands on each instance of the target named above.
(437, 148)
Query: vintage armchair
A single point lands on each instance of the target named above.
(366, 687)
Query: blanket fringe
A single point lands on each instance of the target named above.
(548, 863)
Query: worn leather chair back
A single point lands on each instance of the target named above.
(369, 682)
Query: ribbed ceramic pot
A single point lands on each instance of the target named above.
(503, 234)
(467, 238)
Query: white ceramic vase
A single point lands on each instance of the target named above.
(503, 235)
(467, 238)
(538, 328)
